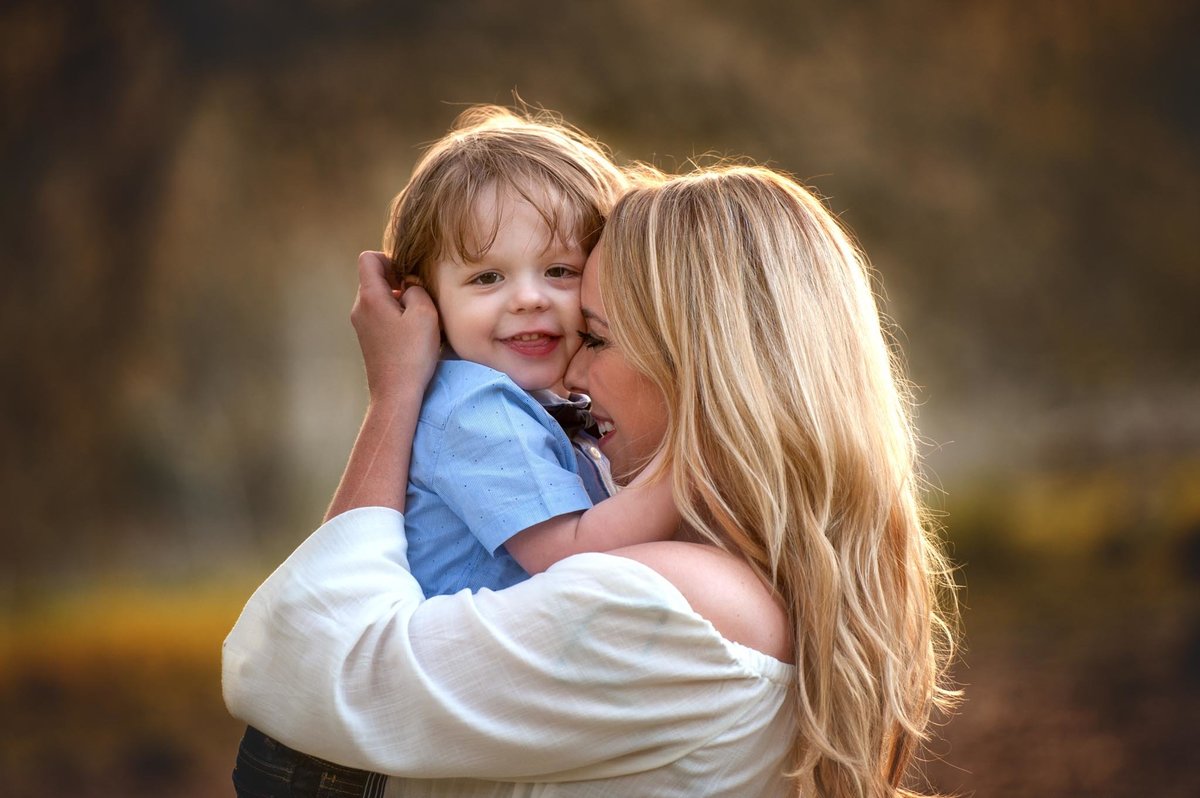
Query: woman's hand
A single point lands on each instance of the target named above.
(399, 337)
(397, 331)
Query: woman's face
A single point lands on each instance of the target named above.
(629, 408)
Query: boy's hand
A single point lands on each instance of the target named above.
(397, 331)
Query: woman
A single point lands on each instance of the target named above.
(789, 641)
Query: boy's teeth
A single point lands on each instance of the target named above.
(605, 427)
(528, 337)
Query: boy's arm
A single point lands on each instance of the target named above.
(644, 511)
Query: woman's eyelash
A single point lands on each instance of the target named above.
(591, 341)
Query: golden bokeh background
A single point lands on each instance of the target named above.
(186, 185)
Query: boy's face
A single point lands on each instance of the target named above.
(517, 309)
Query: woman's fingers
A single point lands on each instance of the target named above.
(372, 266)
(397, 329)
(372, 275)
(417, 298)
(421, 322)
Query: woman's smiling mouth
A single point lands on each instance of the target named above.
(606, 429)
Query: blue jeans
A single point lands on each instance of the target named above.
(267, 768)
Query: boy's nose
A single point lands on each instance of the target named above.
(530, 296)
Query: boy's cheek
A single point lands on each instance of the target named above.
(571, 343)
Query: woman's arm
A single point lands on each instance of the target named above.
(399, 339)
(595, 669)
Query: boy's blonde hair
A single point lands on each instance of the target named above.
(789, 433)
(564, 174)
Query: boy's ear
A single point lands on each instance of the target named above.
(399, 281)
(410, 279)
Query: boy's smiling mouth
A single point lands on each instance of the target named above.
(532, 344)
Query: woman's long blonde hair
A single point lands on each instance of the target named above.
(737, 292)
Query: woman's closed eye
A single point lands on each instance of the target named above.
(592, 341)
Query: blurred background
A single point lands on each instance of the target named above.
(186, 186)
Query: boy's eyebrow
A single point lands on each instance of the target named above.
(591, 316)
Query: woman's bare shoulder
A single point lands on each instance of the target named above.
(723, 589)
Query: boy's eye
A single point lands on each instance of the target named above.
(591, 341)
(487, 278)
(559, 272)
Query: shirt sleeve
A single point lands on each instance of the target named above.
(595, 669)
(504, 465)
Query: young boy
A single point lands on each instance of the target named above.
(496, 222)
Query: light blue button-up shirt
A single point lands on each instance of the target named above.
(487, 462)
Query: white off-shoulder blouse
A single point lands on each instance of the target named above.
(595, 678)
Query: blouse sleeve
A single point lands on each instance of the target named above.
(595, 669)
(504, 465)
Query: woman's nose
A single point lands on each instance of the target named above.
(575, 380)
